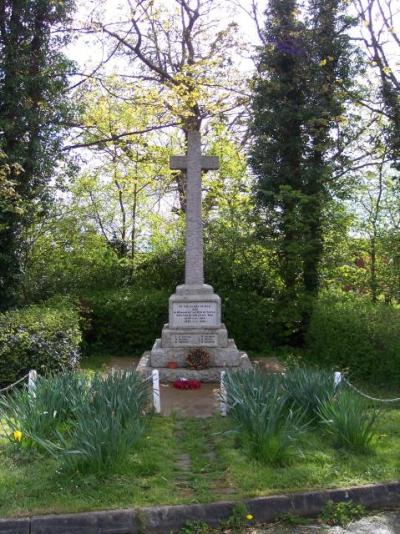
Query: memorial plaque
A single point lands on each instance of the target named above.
(195, 340)
(194, 314)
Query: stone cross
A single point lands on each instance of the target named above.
(194, 163)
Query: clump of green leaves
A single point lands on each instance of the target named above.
(39, 413)
(238, 520)
(307, 389)
(342, 513)
(195, 527)
(267, 426)
(349, 421)
(90, 426)
(106, 427)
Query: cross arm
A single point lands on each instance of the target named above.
(178, 163)
(208, 163)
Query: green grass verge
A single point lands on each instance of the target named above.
(317, 465)
(32, 484)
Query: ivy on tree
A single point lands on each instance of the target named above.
(32, 110)
(299, 96)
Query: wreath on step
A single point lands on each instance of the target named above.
(198, 359)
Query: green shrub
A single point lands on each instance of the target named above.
(349, 421)
(307, 388)
(127, 321)
(71, 258)
(356, 335)
(248, 317)
(267, 427)
(43, 337)
(163, 270)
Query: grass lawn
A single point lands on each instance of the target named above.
(190, 460)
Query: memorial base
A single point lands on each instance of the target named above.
(209, 375)
(194, 322)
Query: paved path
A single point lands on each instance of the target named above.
(203, 402)
(385, 523)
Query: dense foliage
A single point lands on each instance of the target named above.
(33, 107)
(126, 321)
(349, 421)
(299, 94)
(355, 335)
(43, 337)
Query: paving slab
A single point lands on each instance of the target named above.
(203, 402)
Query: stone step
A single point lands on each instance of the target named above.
(219, 357)
(211, 374)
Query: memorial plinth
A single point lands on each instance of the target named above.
(194, 318)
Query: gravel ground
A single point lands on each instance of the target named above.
(385, 523)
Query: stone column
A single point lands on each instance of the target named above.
(194, 270)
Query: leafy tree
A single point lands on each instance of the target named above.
(179, 48)
(32, 108)
(299, 97)
(378, 222)
(379, 24)
(127, 175)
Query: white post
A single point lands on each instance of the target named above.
(32, 382)
(156, 391)
(223, 396)
(337, 379)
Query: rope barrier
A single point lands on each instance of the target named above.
(368, 396)
(15, 383)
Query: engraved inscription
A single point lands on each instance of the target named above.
(195, 313)
(195, 340)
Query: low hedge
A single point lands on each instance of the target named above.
(128, 321)
(356, 335)
(248, 318)
(44, 337)
(125, 321)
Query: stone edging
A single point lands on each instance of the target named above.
(166, 519)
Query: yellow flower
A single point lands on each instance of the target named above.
(323, 62)
(249, 517)
(17, 435)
